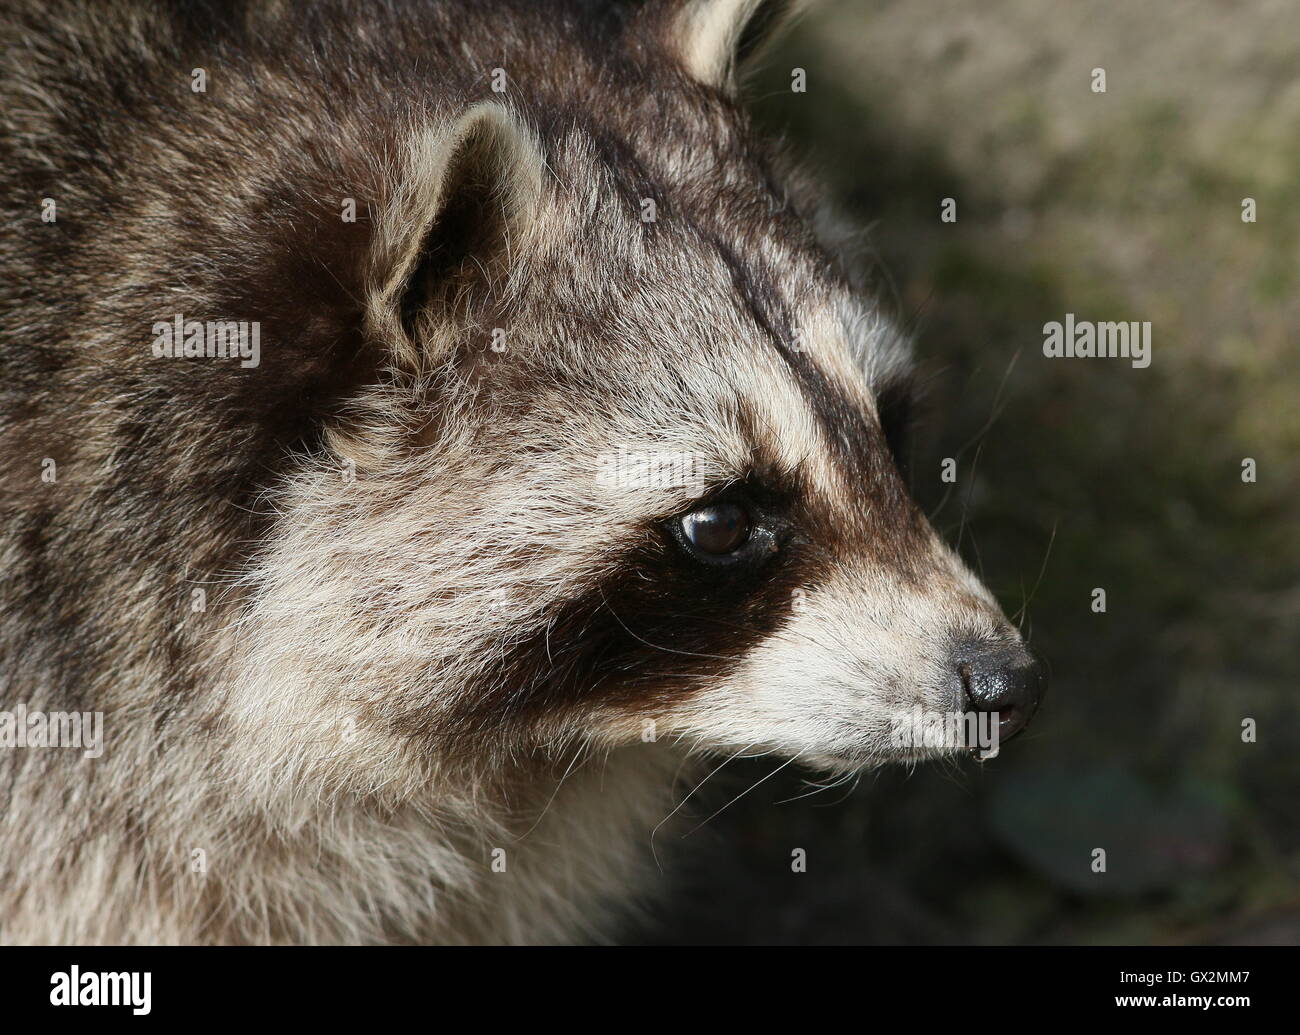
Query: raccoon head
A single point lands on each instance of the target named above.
(632, 470)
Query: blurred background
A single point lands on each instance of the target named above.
(1072, 474)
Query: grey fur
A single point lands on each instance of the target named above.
(427, 633)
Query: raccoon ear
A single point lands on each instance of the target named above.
(717, 39)
(466, 194)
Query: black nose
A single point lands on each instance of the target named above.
(1005, 678)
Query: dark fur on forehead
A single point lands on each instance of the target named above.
(852, 434)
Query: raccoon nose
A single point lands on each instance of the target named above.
(1005, 678)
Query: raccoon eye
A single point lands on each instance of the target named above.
(719, 529)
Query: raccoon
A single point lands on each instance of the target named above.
(425, 428)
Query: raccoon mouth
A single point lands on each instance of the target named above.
(867, 758)
(929, 754)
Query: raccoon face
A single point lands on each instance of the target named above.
(632, 474)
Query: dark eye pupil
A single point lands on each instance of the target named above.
(721, 528)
